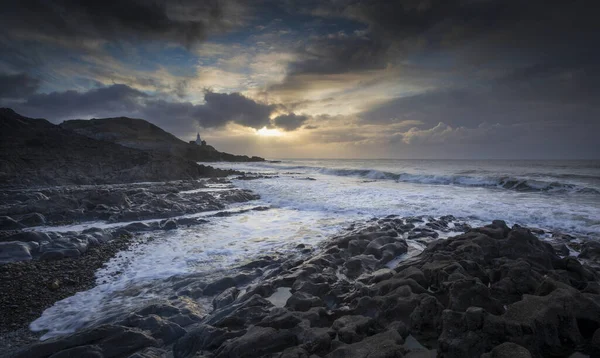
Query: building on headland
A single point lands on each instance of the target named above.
(198, 141)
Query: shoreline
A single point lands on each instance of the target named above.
(350, 296)
(40, 284)
(343, 300)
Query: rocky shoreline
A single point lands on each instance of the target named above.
(491, 291)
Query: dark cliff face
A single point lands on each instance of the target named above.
(37, 152)
(140, 134)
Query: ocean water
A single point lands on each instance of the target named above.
(555, 195)
(310, 200)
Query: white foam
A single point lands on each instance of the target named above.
(131, 278)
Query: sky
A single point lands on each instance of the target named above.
(418, 79)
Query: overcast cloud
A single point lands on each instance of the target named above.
(342, 78)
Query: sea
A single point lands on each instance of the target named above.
(312, 199)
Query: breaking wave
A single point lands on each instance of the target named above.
(472, 178)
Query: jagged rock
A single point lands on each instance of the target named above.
(508, 350)
(169, 224)
(383, 345)
(352, 329)
(33, 219)
(257, 341)
(302, 301)
(104, 341)
(226, 297)
(219, 286)
(157, 327)
(8, 223)
(204, 337)
(17, 251)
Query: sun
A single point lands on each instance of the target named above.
(266, 132)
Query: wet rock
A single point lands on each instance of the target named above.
(359, 264)
(427, 315)
(169, 224)
(508, 350)
(226, 297)
(150, 353)
(13, 251)
(591, 251)
(33, 219)
(352, 329)
(595, 343)
(27, 236)
(135, 227)
(158, 328)
(382, 345)
(237, 315)
(471, 292)
(204, 337)
(219, 286)
(280, 318)
(258, 341)
(302, 301)
(8, 223)
(59, 254)
(108, 340)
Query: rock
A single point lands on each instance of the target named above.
(8, 223)
(258, 341)
(103, 341)
(383, 345)
(204, 337)
(54, 285)
(150, 353)
(13, 251)
(280, 318)
(315, 340)
(169, 224)
(352, 329)
(471, 292)
(236, 315)
(595, 343)
(590, 251)
(59, 254)
(33, 219)
(219, 286)
(226, 297)
(158, 328)
(135, 227)
(427, 315)
(359, 264)
(508, 350)
(302, 301)
(27, 236)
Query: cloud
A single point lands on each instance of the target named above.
(185, 22)
(217, 111)
(17, 86)
(289, 122)
(98, 102)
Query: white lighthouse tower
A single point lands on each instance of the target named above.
(198, 140)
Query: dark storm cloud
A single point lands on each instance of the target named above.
(97, 102)
(184, 21)
(218, 110)
(458, 35)
(339, 53)
(289, 122)
(17, 86)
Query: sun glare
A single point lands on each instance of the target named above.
(266, 132)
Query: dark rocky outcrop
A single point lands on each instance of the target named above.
(35, 152)
(143, 135)
(491, 292)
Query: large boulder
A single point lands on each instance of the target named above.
(13, 251)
